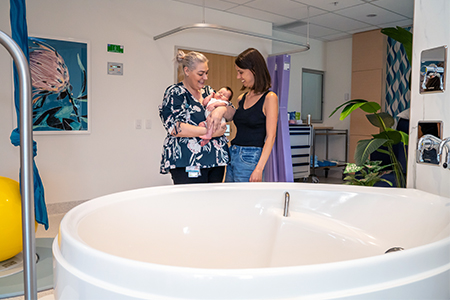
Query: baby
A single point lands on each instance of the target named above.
(221, 98)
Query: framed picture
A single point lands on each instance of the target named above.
(60, 85)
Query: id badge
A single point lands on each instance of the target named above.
(193, 171)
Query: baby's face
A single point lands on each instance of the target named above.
(223, 94)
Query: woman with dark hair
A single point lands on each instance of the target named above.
(255, 119)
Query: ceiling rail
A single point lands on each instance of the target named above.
(303, 47)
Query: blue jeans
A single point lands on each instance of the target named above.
(243, 162)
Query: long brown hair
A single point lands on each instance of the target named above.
(251, 59)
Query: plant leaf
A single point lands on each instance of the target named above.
(350, 108)
(365, 147)
(387, 119)
(387, 181)
(383, 151)
(393, 135)
(371, 107)
(346, 103)
(405, 137)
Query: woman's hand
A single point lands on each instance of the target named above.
(221, 131)
(256, 176)
(215, 117)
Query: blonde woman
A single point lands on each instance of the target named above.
(182, 113)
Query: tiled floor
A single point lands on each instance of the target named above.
(52, 231)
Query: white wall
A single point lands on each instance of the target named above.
(429, 107)
(115, 156)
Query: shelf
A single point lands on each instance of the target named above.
(328, 131)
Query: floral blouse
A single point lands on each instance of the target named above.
(179, 152)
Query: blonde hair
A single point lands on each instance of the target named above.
(190, 60)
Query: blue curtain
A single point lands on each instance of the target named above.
(19, 33)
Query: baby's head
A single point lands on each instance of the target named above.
(224, 93)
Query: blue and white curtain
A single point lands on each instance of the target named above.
(398, 70)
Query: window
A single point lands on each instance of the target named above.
(312, 94)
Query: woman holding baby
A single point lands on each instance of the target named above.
(183, 117)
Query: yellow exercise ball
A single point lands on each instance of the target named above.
(10, 218)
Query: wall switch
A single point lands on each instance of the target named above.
(346, 96)
(148, 124)
(138, 124)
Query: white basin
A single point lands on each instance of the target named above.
(231, 241)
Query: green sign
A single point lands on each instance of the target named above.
(115, 48)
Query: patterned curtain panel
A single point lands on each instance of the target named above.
(398, 71)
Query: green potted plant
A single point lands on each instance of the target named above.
(386, 137)
(368, 174)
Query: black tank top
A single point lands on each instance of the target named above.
(250, 124)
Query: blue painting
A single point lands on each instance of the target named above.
(59, 85)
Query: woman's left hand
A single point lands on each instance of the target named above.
(256, 176)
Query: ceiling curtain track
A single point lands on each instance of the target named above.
(303, 47)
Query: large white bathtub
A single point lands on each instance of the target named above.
(231, 241)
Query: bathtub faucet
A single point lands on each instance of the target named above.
(428, 149)
(286, 204)
(444, 144)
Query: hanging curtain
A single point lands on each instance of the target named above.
(19, 34)
(398, 69)
(279, 165)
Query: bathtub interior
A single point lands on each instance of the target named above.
(231, 226)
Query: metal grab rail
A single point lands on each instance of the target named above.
(26, 163)
(304, 47)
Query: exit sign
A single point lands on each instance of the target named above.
(115, 48)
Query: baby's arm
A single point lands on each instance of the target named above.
(214, 103)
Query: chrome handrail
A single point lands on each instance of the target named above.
(303, 47)
(26, 164)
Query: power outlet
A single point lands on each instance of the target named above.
(138, 124)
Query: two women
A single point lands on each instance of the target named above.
(255, 119)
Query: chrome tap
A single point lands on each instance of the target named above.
(287, 197)
(428, 149)
(444, 143)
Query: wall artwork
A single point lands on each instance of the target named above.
(59, 78)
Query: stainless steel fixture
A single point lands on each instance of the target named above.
(446, 161)
(287, 198)
(428, 149)
(26, 165)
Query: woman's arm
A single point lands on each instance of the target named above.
(270, 109)
(188, 130)
(220, 112)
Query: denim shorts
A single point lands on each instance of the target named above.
(243, 162)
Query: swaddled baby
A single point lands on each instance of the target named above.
(221, 98)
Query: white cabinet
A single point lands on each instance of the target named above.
(301, 138)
